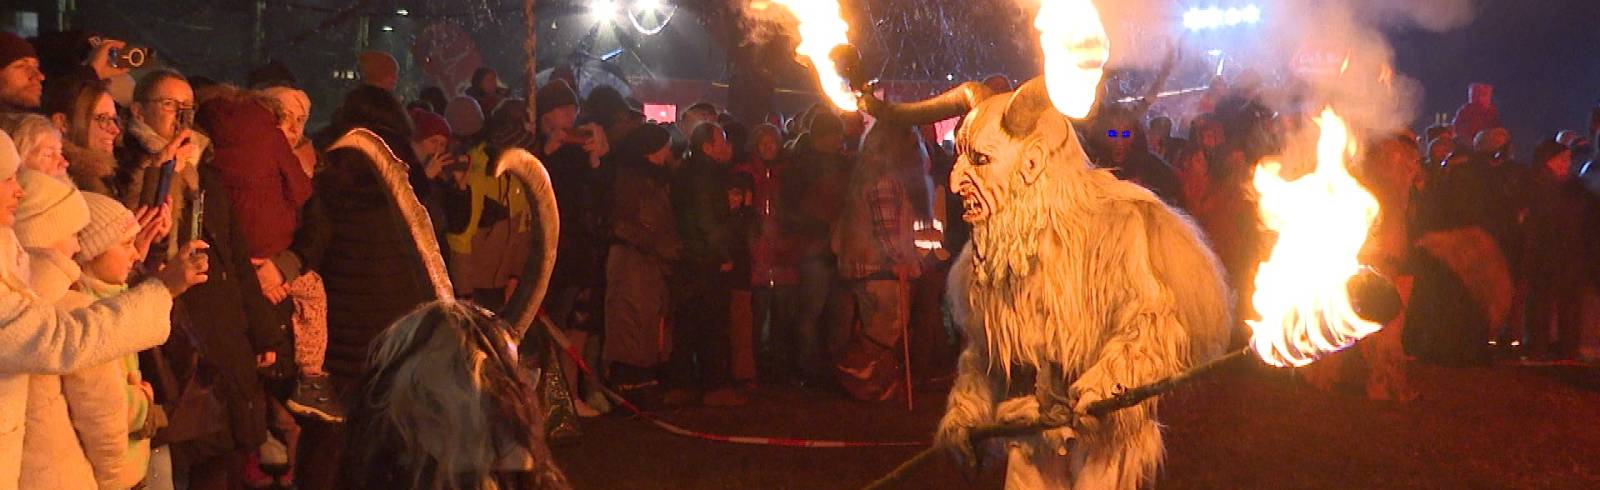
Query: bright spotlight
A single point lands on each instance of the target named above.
(1199, 19)
(402, 12)
(603, 10)
(388, 28)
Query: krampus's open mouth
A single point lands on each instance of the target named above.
(972, 201)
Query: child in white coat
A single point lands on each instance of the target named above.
(39, 338)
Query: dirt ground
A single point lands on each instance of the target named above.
(1496, 427)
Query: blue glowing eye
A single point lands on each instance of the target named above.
(1127, 134)
(1111, 133)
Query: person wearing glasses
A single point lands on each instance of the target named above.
(157, 131)
(82, 109)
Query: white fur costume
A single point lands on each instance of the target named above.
(1091, 282)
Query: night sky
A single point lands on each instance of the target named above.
(1543, 56)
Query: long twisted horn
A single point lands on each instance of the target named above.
(392, 171)
(957, 101)
(535, 278)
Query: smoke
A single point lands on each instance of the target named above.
(1310, 53)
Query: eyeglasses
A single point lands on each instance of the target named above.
(107, 121)
(175, 105)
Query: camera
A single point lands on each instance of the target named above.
(129, 56)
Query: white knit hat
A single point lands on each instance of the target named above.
(293, 100)
(110, 223)
(9, 159)
(50, 211)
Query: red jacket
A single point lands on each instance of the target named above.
(772, 254)
(259, 171)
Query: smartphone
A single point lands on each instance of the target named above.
(163, 184)
(129, 57)
(197, 215)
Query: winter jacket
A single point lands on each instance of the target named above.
(227, 322)
(1147, 170)
(356, 239)
(91, 171)
(1472, 119)
(141, 419)
(580, 252)
(642, 216)
(700, 203)
(772, 261)
(139, 171)
(811, 195)
(78, 423)
(45, 339)
(259, 171)
(1556, 232)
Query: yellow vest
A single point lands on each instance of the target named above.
(484, 185)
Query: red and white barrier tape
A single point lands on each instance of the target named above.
(577, 358)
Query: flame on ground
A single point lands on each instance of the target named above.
(1076, 49)
(821, 28)
(1322, 221)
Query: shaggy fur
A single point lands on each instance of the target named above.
(1075, 273)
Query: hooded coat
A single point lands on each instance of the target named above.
(260, 172)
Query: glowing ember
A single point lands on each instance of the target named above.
(1322, 220)
(1075, 49)
(822, 28)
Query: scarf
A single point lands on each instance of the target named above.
(93, 286)
(51, 274)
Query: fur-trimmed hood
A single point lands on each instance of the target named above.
(91, 171)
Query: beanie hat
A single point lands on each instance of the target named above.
(50, 211)
(428, 125)
(555, 95)
(464, 115)
(110, 223)
(13, 48)
(648, 139)
(9, 159)
(506, 126)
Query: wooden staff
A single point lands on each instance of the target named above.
(529, 47)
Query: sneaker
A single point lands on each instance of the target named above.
(274, 456)
(314, 397)
(725, 397)
(598, 401)
(583, 409)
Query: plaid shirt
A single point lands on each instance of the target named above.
(884, 199)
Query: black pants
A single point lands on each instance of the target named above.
(1558, 302)
(778, 346)
(701, 348)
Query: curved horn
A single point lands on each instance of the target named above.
(957, 101)
(535, 276)
(393, 173)
(1027, 105)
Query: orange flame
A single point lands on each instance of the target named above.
(821, 28)
(1076, 49)
(1322, 221)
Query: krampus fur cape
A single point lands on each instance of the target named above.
(1088, 284)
